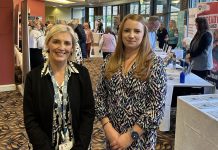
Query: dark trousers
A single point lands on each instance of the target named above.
(203, 74)
(161, 44)
(36, 57)
(88, 48)
(105, 54)
(172, 45)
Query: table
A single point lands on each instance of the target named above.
(191, 80)
(197, 122)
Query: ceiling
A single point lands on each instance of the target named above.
(87, 3)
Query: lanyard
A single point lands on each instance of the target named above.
(61, 100)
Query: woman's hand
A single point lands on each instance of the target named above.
(110, 133)
(123, 142)
(188, 58)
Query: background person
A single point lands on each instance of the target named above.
(58, 102)
(200, 53)
(78, 28)
(153, 25)
(100, 27)
(107, 42)
(162, 35)
(172, 34)
(131, 89)
(89, 38)
(36, 44)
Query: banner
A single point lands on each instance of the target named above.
(210, 12)
(191, 22)
(180, 22)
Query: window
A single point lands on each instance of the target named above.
(161, 6)
(145, 8)
(134, 8)
(175, 5)
(115, 10)
(91, 17)
(79, 14)
(107, 15)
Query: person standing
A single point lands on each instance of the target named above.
(58, 102)
(172, 34)
(100, 27)
(153, 25)
(36, 44)
(78, 28)
(130, 94)
(162, 35)
(89, 38)
(107, 42)
(200, 52)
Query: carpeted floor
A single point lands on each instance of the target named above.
(12, 132)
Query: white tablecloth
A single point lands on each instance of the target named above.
(191, 80)
(197, 122)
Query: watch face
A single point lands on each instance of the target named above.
(135, 135)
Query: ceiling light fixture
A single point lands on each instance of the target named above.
(61, 1)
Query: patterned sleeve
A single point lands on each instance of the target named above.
(154, 100)
(101, 95)
(77, 53)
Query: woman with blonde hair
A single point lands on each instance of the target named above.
(131, 89)
(172, 34)
(58, 102)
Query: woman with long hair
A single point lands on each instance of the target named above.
(131, 89)
(200, 53)
(172, 34)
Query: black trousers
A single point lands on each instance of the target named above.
(203, 74)
(105, 54)
(172, 45)
(36, 57)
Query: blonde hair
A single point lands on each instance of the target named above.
(60, 28)
(143, 59)
(173, 24)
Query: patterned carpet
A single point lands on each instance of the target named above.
(12, 132)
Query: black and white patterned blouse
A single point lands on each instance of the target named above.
(128, 101)
(62, 126)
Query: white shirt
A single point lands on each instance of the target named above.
(36, 39)
(152, 38)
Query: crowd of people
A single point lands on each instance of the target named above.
(129, 101)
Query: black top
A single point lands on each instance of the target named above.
(38, 108)
(161, 34)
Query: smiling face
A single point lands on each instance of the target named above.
(60, 47)
(132, 34)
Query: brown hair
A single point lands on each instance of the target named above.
(143, 59)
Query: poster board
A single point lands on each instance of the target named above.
(192, 14)
(180, 22)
